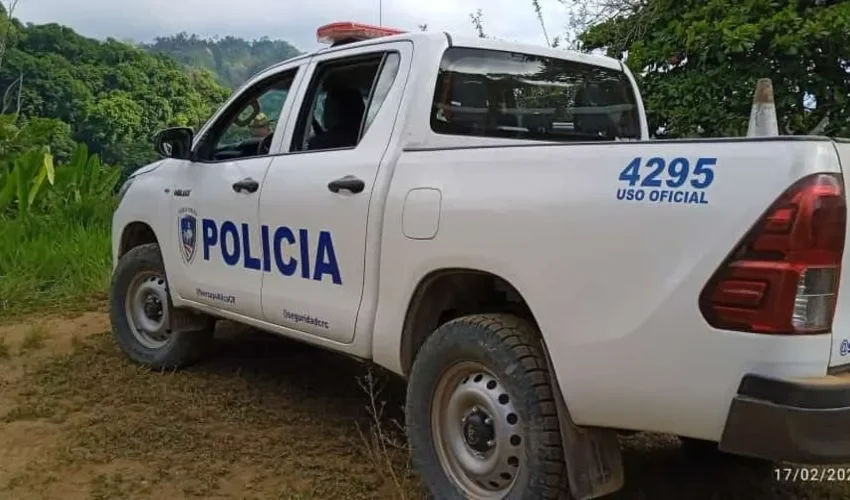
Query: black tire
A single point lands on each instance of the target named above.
(181, 348)
(508, 347)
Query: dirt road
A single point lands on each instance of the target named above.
(264, 418)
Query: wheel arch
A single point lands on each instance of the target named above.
(134, 234)
(444, 294)
(139, 232)
(594, 461)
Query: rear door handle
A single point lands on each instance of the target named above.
(247, 184)
(349, 183)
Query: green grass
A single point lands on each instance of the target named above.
(54, 261)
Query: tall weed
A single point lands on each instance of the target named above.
(53, 260)
(54, 236)
(21, 180)
(84, 180)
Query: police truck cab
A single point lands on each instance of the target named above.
(491, 221)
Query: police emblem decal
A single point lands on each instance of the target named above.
(187, 225)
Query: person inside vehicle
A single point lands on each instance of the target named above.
(260, 126)
(342, 117)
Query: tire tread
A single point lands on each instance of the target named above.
(186, 347)
(521, 340)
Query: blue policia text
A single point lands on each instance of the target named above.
(284, 250)
(661, 181)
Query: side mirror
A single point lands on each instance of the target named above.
(175, 142)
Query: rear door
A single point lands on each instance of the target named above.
(316, 197)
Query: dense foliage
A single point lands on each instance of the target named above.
(110, 95)
(698, 61)
(233, 60)
(74, 113)
(54, 222)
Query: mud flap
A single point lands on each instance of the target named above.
(594, 460)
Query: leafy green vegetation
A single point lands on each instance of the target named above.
(77, 115)
(698, 61)
(110, 95)
(55, 224)
(22, 179)
(113, 95)
(232, 60)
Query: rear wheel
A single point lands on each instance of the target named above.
(480, 413)
(140, 310)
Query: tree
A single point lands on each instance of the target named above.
(230, 59)
(698, 61)
(115, 118)
(36, 131)
(113, 95)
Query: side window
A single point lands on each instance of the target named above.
(246, 128)
(382, 88)
(343, 99)
(504, 94)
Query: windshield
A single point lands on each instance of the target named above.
(503, 94)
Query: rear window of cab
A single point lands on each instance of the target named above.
(491, 93)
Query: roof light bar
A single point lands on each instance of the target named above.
(349, 32)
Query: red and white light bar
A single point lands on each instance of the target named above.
(348, 32)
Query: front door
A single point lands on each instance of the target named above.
(215, 200)
(316, 197)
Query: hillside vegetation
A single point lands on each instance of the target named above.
(232, 60)
(77, 116)
(77, 113)
(110, 95)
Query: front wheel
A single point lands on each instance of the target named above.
(140, 310)
(480, 415)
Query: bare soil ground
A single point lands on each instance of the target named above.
(264, 418)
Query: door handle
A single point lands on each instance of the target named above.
(349, 183)
(248, 184)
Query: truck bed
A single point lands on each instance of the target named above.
(613, 271)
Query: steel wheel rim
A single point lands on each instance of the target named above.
(146, 308)
(467, 395)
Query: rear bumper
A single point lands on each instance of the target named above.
(802, 420)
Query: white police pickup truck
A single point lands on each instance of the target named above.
(492, 222)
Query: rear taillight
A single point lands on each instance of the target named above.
(783, 277)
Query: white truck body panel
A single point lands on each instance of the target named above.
(613, 283)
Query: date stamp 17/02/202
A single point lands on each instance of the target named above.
(811, 474)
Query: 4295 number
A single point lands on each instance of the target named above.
(678, 172)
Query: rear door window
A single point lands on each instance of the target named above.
(344, 97)
(492, 93)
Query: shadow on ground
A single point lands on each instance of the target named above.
(265, 417)
(657, 467)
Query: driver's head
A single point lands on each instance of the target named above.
(260, 126)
